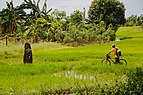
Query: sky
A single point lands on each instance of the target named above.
(133, 7)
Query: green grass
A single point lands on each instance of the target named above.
(52, 63)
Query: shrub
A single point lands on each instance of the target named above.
(135, 82)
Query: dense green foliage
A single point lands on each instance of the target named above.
(58, 14)
(134, 20)
(16, 22)
(74, 30)
(110, 11)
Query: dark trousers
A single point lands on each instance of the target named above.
(116, 60)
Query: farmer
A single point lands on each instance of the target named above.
(27, 53)
(116, 52)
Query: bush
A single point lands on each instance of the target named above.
(135, 82)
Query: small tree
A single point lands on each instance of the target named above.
(37, 29)
(58, 14)
(134, 20)
(76, 18)
(9, 18)
(109, 34)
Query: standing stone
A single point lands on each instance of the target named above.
(27, 54)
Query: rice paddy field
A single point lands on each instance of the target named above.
(57, 67)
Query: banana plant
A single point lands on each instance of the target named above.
(9, 17)
(36, 29)
(35, 8)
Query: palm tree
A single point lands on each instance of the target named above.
(35, 9)
(36, 20)
(45, 12)
(37, 29)
(9, 18)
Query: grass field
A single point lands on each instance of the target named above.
(56, 66)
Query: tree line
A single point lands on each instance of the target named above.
(134, 20)
(104, 18)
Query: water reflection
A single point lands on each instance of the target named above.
(73, 74)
